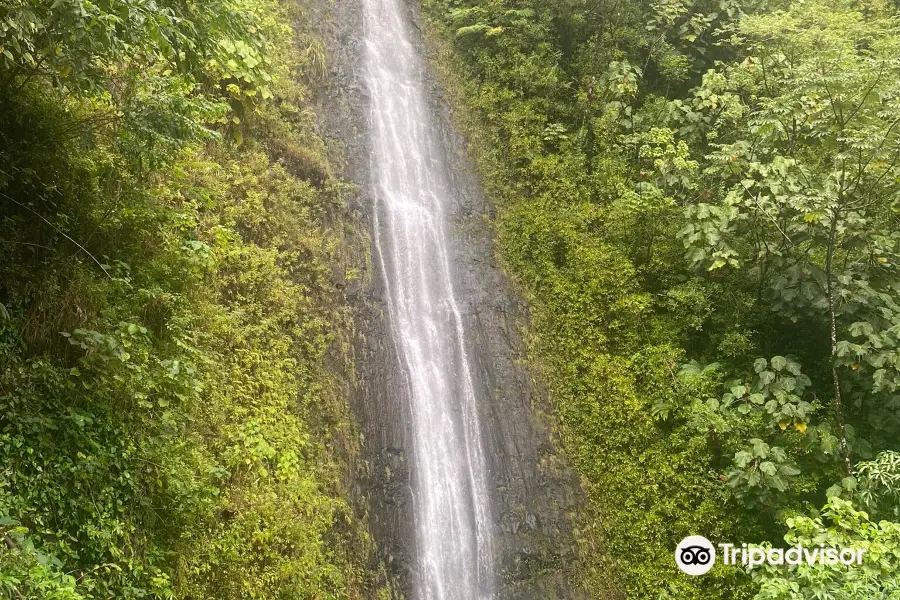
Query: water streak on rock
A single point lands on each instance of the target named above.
(454, 555)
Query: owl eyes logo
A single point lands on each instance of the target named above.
(695, 555)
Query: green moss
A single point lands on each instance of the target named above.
(592, 320)
(173, 351)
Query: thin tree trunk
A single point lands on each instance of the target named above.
(838, 404)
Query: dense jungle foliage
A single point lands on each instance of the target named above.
(172, 338)
(700, 200)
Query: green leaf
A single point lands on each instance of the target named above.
(768, 468)
(742, 458)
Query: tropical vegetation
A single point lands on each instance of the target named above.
(173, 364)
(700, 199)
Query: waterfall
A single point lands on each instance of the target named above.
(451, 504)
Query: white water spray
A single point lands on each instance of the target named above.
(450, 497)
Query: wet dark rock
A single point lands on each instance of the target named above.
(531, 503)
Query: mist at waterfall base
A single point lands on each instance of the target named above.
(451, 504)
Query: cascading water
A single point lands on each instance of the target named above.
(450, 497)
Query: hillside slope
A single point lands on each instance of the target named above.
(173, 365)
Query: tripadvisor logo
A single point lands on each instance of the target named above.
(695, 555)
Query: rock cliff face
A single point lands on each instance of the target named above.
(532, 490)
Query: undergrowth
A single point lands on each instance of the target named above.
(173, 419)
